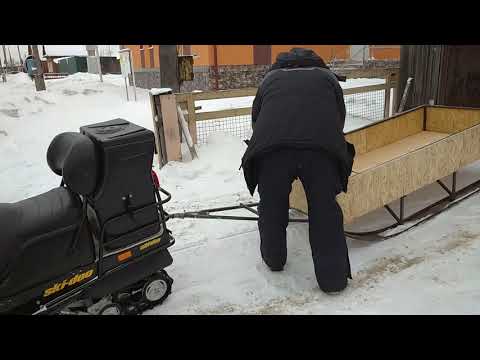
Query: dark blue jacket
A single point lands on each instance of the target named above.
(298, 105)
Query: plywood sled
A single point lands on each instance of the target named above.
(402, 154)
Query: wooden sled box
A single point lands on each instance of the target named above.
(402, 154)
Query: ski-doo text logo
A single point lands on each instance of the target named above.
(67, 282)
(149, 244)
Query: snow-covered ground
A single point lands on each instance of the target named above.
(217, 266)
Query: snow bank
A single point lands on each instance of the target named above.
(31, 119)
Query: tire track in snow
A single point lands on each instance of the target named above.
(363, 281)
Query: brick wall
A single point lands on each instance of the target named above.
(229, 77)
(237, 76)
(147, 78)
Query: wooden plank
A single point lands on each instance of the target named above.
(220, 114)
(222, 94)
(439, 120)
(192, 119)
(358, 137)
(359, 140)
(431, 163)
(397, 115)
(384, 185)
(470, 150)
(183, 104)
(451, 120)
(171, 127)
(182, 97)
(158, 123)
(395, 129)
(364, 89)
(186, 132)
(298, 199)
(155, 127)
(399, 148)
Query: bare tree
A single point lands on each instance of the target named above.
(19, 55)
(10, 56)
(4, 77)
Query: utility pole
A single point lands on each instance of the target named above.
(19, 55)
(39, 81)
(99, 64)
(168, 68)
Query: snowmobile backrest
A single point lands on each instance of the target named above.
(72, 156)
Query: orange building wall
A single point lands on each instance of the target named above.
(392, 53)
(137, 63)
(156, 54)
(147, 51)
(136, 57)
(243, 54)
(226, 54)
(235, 54)
(326, 52)
(203, 53)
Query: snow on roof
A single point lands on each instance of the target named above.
(77, 50)
(159, 91)
(57, 60)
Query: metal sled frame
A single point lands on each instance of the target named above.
(454, 196)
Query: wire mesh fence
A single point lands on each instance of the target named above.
(362, 108)
(368, 105)
(240, 126)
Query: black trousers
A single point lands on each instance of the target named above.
(319, 175)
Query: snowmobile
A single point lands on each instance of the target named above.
(96, 244)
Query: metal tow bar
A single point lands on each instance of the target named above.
(207, 213)
(454, 197)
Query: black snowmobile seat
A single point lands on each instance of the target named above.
(40, 229)
(34, 220)
(72, 156)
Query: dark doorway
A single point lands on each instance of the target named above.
(262, 54)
